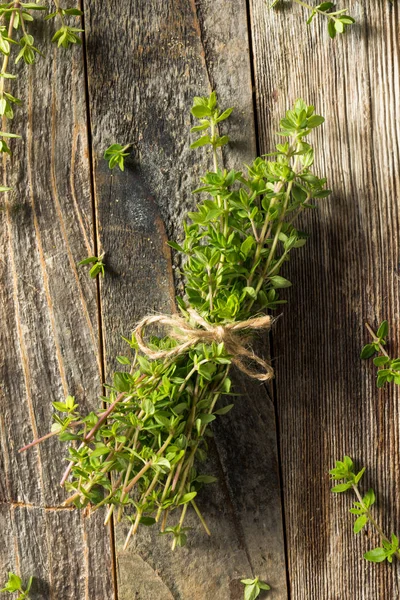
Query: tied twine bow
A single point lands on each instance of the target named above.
(188, 336)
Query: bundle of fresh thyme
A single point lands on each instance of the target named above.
(141, 455)
(14, 18)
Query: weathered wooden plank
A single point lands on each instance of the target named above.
(177, 50)
(43, 542)
(347, 274)
(49, 328)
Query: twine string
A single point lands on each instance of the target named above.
(188, 336)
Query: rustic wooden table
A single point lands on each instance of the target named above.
(272, 513)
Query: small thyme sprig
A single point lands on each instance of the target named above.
(338, 20)
(362, 509)
(388, 368)
(98, 266)
(116, 154)
(14, 584)
(141, 456)
(253, 588)
(67, 35)
(13, 32)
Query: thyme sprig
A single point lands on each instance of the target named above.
(98, 266)
(141, 456)
(14, 19)
(344, 470)
(116, 155)
(337, 20)
(388, 368)
(14, 584)
(253, 588)
(66, 35)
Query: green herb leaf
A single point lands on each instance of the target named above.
(187, 498)
(279, 282)
(201, 111)
(383, 330)
(377, 555)
(368, 351)
(341, 487)
(360, 523)
(203, 141)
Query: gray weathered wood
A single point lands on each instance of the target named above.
(146, 61)
(49, 330)
(347, 274)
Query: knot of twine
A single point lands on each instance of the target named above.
(189, 335)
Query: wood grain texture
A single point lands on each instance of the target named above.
(49, 329)
(347, 274)
(146, 61)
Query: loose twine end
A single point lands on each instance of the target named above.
(189, 335)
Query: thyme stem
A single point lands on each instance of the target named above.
(376, 339)
(372, 519)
